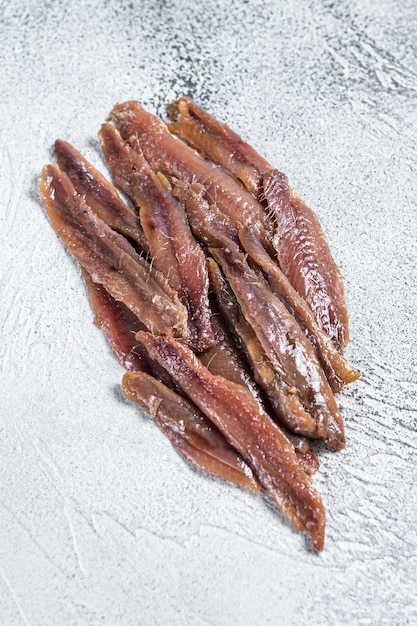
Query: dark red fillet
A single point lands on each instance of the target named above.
(189, 431)
(336, 368)
(308, 393)
(98, 193)
(205, 219)
(302, 249)
(173, 248)
(305, 259)
(217, 142)
(120, 326)
(148, 134)
(249, 430)
(109, 259)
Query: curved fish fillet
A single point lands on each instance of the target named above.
(217, 142)
(172, 246)
(109, 258)
(337, 370)
(189, 431)
(120, 326)
(249, 430)
(303, 252)
(98, 193)
(165, 153)
(305, 258)
(286, 346)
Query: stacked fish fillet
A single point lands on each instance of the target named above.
(218, 294)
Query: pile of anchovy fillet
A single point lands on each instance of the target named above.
(215, 286)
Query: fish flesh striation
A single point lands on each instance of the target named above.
(109, 258)
(305, 258)
(217, 142)
(173, 248)
(120, 326)
(99, 194)
(165, 153)
(218, 294)
(303, 252)
(337, 370)
(250, 431)
(190, 432)
(307, 391)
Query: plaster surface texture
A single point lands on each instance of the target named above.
(101, 522)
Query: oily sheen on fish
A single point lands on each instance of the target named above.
(305, 258)
(337, 370)
(120, 326)
(303, 252)
(286, 346)
(109, 259)
(217, 142)
(173, 248)
(249, 430)
(165, 153)
(190, 432)
(99, 194)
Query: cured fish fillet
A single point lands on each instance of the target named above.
(189, 431)
(120, 326)
(309, 401)
(217, 142)
(173, 249)
(305, 258)
(303, 252)
(281, 405)
(249, 430)
(337, 370)
(165, 153)
(99, 194)
(109, 259)
(217, 291)
(205, 219)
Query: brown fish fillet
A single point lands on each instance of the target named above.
(109, 259)
(190, 432)
(303, 252)
(120, 326)
(165, 153)
(99, 194)
(194, 437)
(217, 142)
(283, 406)
(286, 405)
(249, 430)
(205, 219)
(286, 346)
(336, 368)
(305, 258)
(225, 359)
(173, 248)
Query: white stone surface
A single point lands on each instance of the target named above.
(100, 521)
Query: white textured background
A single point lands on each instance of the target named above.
(100, 521)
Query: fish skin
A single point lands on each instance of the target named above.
(285, 345)
(335, 366)
(109, 258)
(120, 325)
(250, 431)
(172, 246)
(217, 142)
(304, 257)
(194, 437)
(99, 193)
(165, 153)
